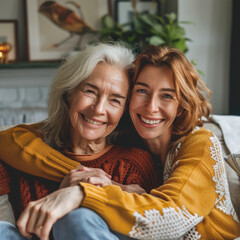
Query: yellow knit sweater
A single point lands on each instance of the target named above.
(194, 201)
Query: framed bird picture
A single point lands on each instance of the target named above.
(56, 28)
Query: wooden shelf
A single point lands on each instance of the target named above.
(23, 65)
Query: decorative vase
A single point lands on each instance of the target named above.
(5, 48)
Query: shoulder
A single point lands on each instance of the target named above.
(199, 135)
(20, 134)
(24, 128)
(200, 146)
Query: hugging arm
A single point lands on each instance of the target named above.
(183, 201)
(23, 148)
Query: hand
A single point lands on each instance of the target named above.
(133, 188)
(95, 176)
(39, 216)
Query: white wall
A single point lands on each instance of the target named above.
(210, 46)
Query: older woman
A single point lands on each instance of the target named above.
(167, 105)
(86, 102)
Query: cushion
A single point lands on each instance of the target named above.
(6, 209)
(233, 177)
(234, 162)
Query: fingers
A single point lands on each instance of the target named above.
(47, 226)
(39, 216)
(73, 178)
(99, 181)
(79, 168)
(25, 226)
(133, 188)
(99, 172)
(22, 223)
(87, 169)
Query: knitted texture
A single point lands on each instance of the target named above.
(24, 188)
(4, 180)
(193, 203)
(171, 224)
(126, 166)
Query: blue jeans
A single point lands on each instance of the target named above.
(80, 224)
(84, 224)
(9, 231)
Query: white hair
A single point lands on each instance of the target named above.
(72, 72)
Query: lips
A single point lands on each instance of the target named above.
(149, 121)
(94, 122)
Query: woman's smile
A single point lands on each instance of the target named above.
(93, 122)
(149, 122)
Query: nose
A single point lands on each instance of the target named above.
(100, 106)
(152, 105)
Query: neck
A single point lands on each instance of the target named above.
(80, 146)
(159, 148)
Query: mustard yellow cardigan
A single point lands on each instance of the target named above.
(193, 202)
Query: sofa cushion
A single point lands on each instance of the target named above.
(6, 210)
(233, 178)
(234, 162)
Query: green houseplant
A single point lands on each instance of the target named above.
(145, 29)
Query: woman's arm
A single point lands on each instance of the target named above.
(96, 177)
(22, 147)
(183, 201)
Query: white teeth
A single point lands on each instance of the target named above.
(150, 121)
(91, 121)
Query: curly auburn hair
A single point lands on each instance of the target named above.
(191, 92)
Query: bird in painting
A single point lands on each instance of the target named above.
(65, 18)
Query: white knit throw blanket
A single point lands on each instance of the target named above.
(230, 126)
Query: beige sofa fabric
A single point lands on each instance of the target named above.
(233, 178)
(6, 211)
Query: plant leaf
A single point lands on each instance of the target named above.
(156, 40)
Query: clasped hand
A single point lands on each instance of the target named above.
(97, 177)
(39, 216)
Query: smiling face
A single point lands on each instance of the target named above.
(97, 104)
(153, 106)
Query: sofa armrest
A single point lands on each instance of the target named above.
(6, 209)
(233, 178)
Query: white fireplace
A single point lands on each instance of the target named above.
(24, 94)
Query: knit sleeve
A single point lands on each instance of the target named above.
(180, 204)
(139, 169)
(4, 180)
(22, 149)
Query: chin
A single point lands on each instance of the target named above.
(147, 135)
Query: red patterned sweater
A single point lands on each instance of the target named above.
(125, 165)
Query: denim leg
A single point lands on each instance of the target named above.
(9, 231)
(83, 224)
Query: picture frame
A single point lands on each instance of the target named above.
(43, 33)
(8, 31)
(123, 9)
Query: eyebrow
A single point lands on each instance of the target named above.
(147, 86)
(114, 94)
